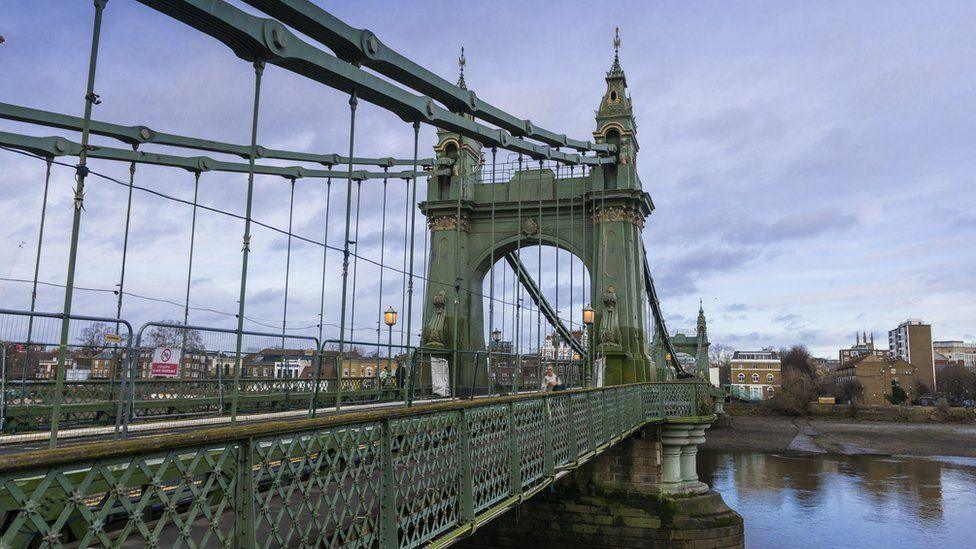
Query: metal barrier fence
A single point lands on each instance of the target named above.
(397, 477)
(91, 388)
(493, 373)
(270, 377)
(112, 382)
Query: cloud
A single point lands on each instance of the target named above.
(681, 275)
(783, 166)
(795, 226)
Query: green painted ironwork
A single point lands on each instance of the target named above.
(393, 478)
(137, 135)
(256, 38)
(59, 146)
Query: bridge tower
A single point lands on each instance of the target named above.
(474, 221)
(695, 346)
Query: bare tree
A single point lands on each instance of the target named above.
(720, 355)
(174, 336)
(958, 383)
(794, 397)
(850, 391)
(92, 339)
(798, 360)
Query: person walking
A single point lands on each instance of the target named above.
(550, 381)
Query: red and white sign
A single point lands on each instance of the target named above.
(166, 362)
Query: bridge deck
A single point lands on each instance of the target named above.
(400, 477)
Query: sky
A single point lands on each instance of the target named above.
(812, 164)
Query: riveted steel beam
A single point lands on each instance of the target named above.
(137, 135)
(543, 304)
(659, 319)
(255, 38)
(59, 146)
(362, 47)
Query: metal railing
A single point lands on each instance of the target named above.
(396, 477)
(126, 391)
(98, 345)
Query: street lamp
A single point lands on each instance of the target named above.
(390, 318)
(589, 315)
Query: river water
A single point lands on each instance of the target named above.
(847, 501)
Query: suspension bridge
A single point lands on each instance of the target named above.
(271, 434)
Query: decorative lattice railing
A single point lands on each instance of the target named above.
(402, 477)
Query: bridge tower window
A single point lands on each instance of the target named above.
(613, 138)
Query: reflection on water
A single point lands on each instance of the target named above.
(852, 501)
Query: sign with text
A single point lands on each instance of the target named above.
(166, 362)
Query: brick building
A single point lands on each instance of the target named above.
(911, 341)
(878, 376)
(755, 374)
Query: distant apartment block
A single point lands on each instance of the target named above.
(957, 350)
(755, 374)
(911, 341)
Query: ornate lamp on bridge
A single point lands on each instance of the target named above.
(390, 318)
(589, 316)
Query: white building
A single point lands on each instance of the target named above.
(957, 350)
(565, 352)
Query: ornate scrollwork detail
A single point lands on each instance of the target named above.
(619, 213)
(530, 226)
(448, 223)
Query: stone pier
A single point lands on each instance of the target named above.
(644, 492)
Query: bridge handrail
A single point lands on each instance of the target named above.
(478, 457)
(217, 435)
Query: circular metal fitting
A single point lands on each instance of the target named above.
(430, 108)
(529, 128)
(60, 145)
(369, 43)
(277, 39)
(275, 36)
(472, 100)
(145, 133)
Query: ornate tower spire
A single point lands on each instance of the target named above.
(701, 317)
(615, 69)
(461, 63)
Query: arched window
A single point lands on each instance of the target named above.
(755, 378)
(769, 378)
(610, 170)
(742, 378)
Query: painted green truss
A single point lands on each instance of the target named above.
(404, 477)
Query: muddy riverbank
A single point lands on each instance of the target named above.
(842, 436)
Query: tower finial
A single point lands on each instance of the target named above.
(615, 70)
(461, 63)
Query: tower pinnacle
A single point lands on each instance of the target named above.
(461, 63)
(615, 70)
